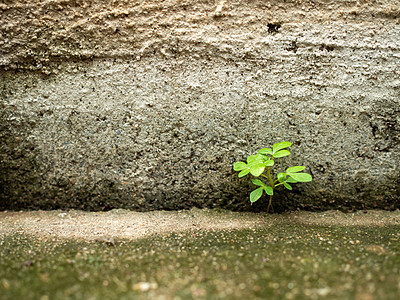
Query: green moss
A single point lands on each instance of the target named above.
(288, 262)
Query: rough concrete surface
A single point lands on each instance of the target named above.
(126, 224)
(146, 104)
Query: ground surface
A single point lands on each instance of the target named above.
(199, 254)
(132, 225)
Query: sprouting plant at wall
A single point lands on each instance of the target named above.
(260, 165)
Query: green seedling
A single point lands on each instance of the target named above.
(260, 165)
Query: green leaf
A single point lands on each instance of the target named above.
(257, 164)
(281, 177)
(295, 169)
(301, 177)
(281, 153)
(244, 173)
(263, 158)
(257, 169)
(269, 163)
(239, 166)
(282, 145)
(252, 158)
(287, 186)
(269, 190)
(258, 182)
(291, 180)
(256, 194)
(265, 151)
(259, 158)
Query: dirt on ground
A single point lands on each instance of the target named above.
(133, 225)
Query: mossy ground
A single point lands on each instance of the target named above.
(283, 262)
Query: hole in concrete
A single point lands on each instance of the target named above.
(273, 27)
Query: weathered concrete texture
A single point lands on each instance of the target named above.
(145, 105)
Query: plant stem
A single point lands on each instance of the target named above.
(271, 181)
(270, 177)
(269, 204)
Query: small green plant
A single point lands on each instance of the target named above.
(261, 163)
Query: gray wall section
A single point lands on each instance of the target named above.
(154, 119)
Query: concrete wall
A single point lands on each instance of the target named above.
(146, 104)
